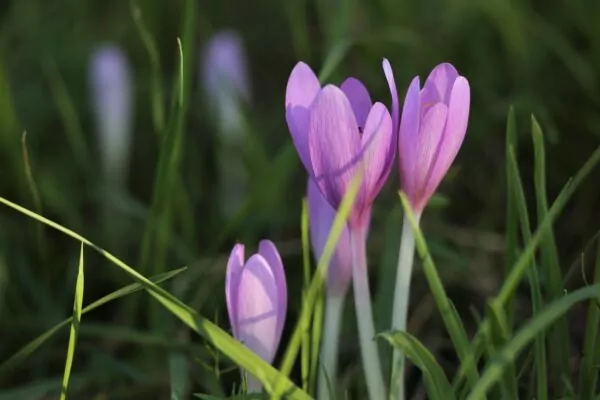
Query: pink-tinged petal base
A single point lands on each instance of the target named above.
(302, 88)
(334, 143)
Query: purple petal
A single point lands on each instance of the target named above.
(377, 142)
(359, 98)
(454, 134)
(389, 75)
(258, 308)
(430, 136)
(234, 269)
(302, 88)
(267, 249)
(334, 143)
(321, 217)
(438, 85)
(409, 135)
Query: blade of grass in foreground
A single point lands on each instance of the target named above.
(541, 370)
(451, 319)
(495, 368)
(511, 208)
(591, 344)
(75, 321)
(499, 335)
(32, 346)
(317, 282)
(559, 334)
(233, 349)
(305, 359)
(436, 382)
(514, 278)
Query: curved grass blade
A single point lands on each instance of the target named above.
(32, 346)
(559, 334)
(75, 321)
(451, 318)
(436, 382)
(499, 335)
(233, 349)
(511, 207)
(537, 324)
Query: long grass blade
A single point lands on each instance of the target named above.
(512, 250)
(75, 322)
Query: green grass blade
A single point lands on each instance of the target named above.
(451, 319)
(499, 335)
(178, 373)
(541, 370)
(511, 209)
(233, 349)
(591, 345)
(559, 334)
(339, 223)
(75, 322)
(305, 358)
(495, 369)
(436, 382)
(334, 58)
(20, 356)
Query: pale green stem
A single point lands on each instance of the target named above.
(334, 309)
(401, 298)
(364, 317)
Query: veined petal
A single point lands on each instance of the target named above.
(438, 85)
(235, 264)
(258, 308)
(454, 134)
(377, 142)
(359, 98)
(302, 88)
(409, 135)
(321, 217)
(267, 249)
(389, 75)
(334, 143)
(430, 136)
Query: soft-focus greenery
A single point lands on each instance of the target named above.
(543, 58)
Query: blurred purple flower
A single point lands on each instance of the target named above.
(336, 131)
(256, 295)
(432, 129)
(225, 79)
(111, 87)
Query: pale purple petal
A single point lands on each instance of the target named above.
(409, 135)
(334, 143)
(267, 249)
(438, 85)
(454, 134)
(389, 75)
(257, 308)
(377, 141)
(430, 136)
(359, 98)
(234, 269)
(321, 217)
(302, 88)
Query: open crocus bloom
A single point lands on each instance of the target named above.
(336, 131)
(432, 129)
(256, 295)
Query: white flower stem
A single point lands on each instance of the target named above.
(334, 309)
(401, 299)
(364, 317)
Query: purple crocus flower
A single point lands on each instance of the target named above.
(256, 295)
(321, 216)
(336, 131)
(111, 87)
(432, 129)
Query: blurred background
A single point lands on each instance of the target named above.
(194, 170)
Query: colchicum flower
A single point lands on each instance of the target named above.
(336, 131)
(432, 129)
(256, 295)
(321, 216)
(111, 87)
